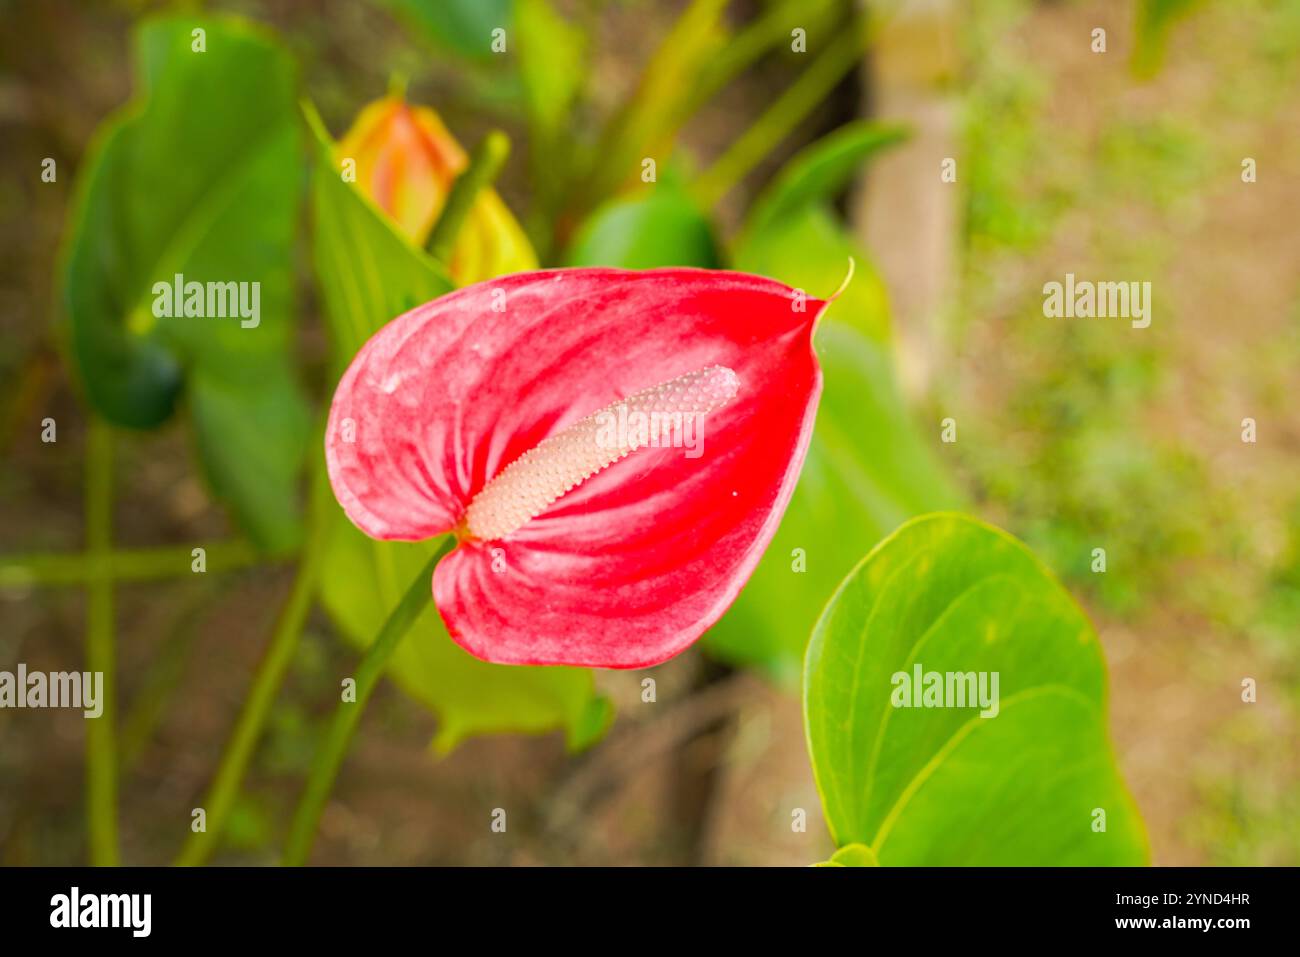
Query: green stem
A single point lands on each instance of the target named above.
(780, 119)
(484, 167)
(123, 565)
(330, 756)
(101, 757)
(267, 680)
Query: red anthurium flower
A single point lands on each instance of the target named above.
(612, 449)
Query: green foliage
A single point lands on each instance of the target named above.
(659, 227)
(552, 62)
(363, 580)
(934, 785)
(199, 176)
(867, 468)
(552, 56)
(820, 171)
(367, 270)
(793, 234)
(852, 855)
(368, 274)
(647, 123)
(463, 27)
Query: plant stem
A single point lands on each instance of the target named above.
(484, 167)
(329, 758)
(267, 680)
(780, 119)
(101, 757)
(133, 564)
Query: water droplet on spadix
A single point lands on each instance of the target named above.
(558, 464)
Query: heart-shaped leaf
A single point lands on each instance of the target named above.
(368, 272)
(955, 706)
(198, 178)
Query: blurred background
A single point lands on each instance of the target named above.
(1073, 435)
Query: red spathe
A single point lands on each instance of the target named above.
(635, 563)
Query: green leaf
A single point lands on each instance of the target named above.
(661, 227)
(552, 56)
(552, 62)
(946, 785)
(792, 234)
(852, 855)
(200, 176)
(809, 250)
(459, 26)
(235, 428)
(368, 271)
(646, 125)
(820, 170)
(867, 470)
(368, 274)
(363, 580)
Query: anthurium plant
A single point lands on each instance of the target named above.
(679, 437)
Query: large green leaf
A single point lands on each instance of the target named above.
(201, 176)
(931, 785)
(368, 274)
(867, 468)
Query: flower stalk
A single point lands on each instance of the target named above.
(325, 768)
(267, 680)
(101, 734)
